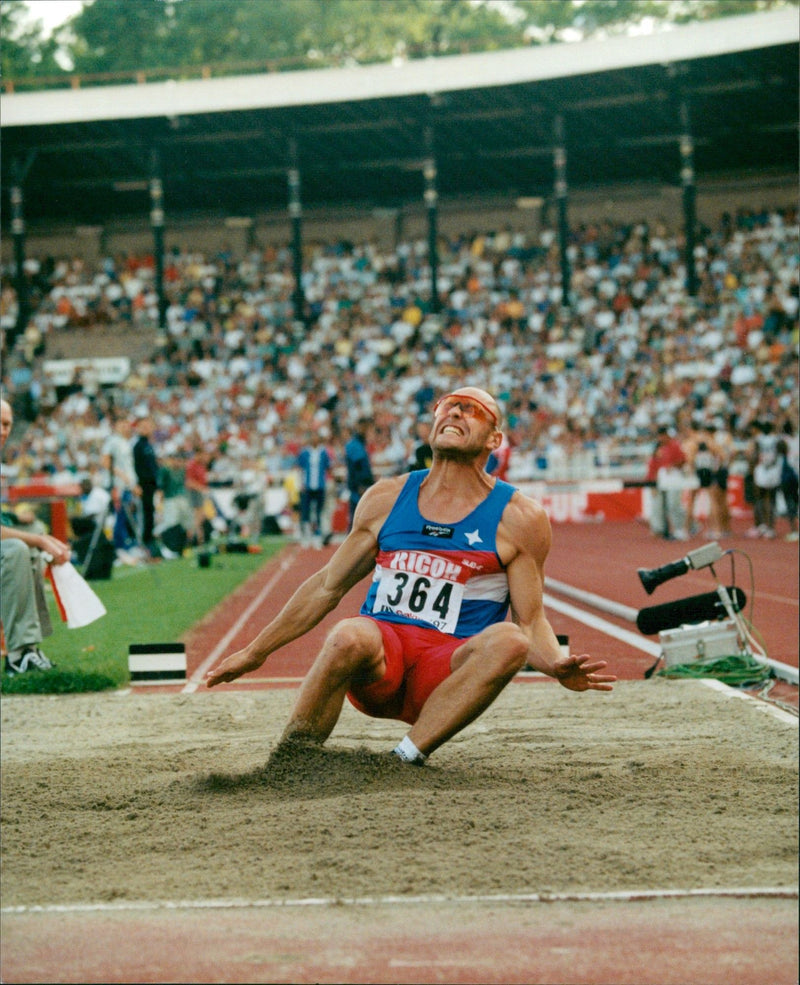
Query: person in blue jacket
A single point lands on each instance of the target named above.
(359, 469)
(314, 464)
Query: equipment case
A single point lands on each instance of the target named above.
(704, 641)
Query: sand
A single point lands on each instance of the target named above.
(141, 796)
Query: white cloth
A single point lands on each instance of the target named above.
(77, 601)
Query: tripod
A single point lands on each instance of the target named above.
(749, 646)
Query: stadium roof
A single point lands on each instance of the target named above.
(224, 143)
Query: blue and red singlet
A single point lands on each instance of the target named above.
(444, 576)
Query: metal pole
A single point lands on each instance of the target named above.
(432, 203)
(560, 167)
(157, 223)
(689, 196)
(296, 214)
(18, 233)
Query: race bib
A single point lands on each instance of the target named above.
(422, 587)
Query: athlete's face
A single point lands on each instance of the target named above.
(465, 424)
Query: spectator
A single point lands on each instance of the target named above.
(23, 605)
(633, 350)
(500, 460)
(117, 459)
(314, 463)
(422, 456)
(701, 460)
(177, 516)
(664, 470)
(766, 479)
(359, 469)
(147, 475)
(788, 488)
(95, 501)
(196, 482)
(722, 448)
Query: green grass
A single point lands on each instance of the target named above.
(149, 604)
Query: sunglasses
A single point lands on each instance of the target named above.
(469, 407)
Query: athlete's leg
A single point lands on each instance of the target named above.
(482, 667)
(352, 653)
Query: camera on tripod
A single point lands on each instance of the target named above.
(701, 627)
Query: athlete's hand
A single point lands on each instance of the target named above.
(241, 662)
(579, 672)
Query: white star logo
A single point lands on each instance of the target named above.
(473, 538)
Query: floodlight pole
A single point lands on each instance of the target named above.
(296, 215)
(157, 223)
(689, 196)
(560, 167)
(432, 204)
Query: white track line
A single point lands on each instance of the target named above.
(589, 598)
(779, 598)
(222, 646)
(623, 635)
(620, 896)
(763, 706)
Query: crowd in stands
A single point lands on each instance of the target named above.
(237, 376)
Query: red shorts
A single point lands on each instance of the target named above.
(417, 661)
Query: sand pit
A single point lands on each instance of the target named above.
(663, 784)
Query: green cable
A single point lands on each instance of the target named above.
(736, 670)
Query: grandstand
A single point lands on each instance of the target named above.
(225, 150)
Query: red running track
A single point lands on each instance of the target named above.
(722, 941)
(601, 559)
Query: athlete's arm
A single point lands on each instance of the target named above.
(323, 591)
(525, 536)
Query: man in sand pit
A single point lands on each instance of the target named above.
(450, 549)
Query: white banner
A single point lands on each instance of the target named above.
(105, 370)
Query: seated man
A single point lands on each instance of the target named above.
(23, 606)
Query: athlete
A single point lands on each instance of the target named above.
(450, 549)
